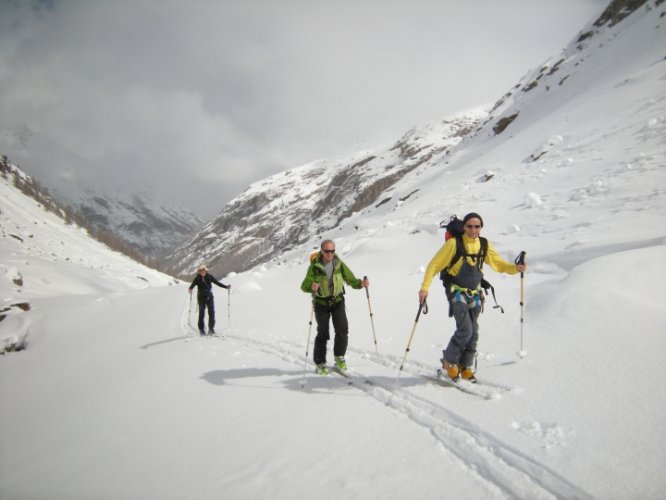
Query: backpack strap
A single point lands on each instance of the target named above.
(487, 286)
(483, 252)
(480, 258)
(461, 251)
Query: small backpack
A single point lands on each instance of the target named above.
(314, 256)
(455, 229)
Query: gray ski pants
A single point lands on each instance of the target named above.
(462, 346)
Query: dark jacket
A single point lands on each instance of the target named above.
(204, 284)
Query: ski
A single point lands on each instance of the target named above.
(352, 378)
(211, 336)
(340, 372)
(335, 369)
(475, 389)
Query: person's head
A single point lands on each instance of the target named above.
(472, 223)
(202, 270)
(327, 250)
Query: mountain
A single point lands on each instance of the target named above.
(136, 217)
(151, 228)
(550, 111)
(145, 229)
(287, 209)
(42, 251)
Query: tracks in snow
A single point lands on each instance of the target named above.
(506, 469)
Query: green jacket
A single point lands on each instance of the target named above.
(341, 275)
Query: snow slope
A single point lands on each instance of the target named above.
(115, 399)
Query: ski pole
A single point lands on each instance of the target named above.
(372, 322)
(307, 345)
(423, 306)
(189, 313)
(521, 260)
(229, 306)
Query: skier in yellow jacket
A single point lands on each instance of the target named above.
(464, 292)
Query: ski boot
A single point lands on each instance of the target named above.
(467, 373)
(451, 369)
(340, 363)
(322, 369)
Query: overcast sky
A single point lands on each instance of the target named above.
(193, 100)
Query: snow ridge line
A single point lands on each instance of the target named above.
(495, 462)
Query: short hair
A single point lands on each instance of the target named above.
(325, 242)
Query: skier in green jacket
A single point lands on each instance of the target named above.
(325, 280)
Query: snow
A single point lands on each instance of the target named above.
(114, 397)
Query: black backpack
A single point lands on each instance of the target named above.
(455, 229)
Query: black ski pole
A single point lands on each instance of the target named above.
(520, 260)
(229, 306)
(189, 314)
(372, 322)
(423, 306)
(307, 345)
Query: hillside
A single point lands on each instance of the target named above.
(44, 256)
(285, 210)
(585, 98)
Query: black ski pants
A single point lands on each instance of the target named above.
(324, 313)
(206, 301)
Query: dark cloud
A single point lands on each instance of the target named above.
(196, 99)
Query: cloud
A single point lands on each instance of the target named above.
(197, 99)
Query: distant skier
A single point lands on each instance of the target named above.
(325, 279)
(204, 283)
(465, 293)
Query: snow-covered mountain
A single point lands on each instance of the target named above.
(41, 252)
(154, 230)
(285, 210)
(136, 217)
(555, 109)
(115, 398)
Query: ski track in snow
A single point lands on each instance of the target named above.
(505, 468)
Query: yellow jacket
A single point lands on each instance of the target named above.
(472, 246)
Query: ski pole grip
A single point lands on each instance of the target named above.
(418, 313)
(521, 258)
(423, 306)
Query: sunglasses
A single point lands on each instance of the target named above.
(329, 251)
(473, 226)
